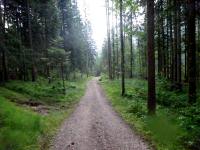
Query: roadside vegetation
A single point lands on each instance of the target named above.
(30, 113)
(176, 124)
(46, 50)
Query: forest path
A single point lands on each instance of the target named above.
(95, 126)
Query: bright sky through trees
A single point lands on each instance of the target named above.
(96, 13)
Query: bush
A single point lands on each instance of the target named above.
(190, 120)
(177, 122)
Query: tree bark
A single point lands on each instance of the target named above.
(62, 75)
(168, 45)
(108, 38)
(1, 44)
(191, 50)
(4, 64)
(113, 44)
(117, 49)
(151, 58)
(175, 44)
(171, 45)
(33, 74)
(163, 41)
(159, 46)
(131, 45)
(186, 44)
(179, 77)
(122, 51)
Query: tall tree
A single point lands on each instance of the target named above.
(151, 57)
(179, 77)
(28, 11)
(117, 45)
(191, 50)
(175, 44)
(3, 32)
(113, 44)
(1, 42)
(122, 50)
(108, 38)
(131, 44)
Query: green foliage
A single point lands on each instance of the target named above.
(58, 55)
(169, 98)
(172, 128)
(190, 120)
(58, 36)
(20, 127)
(42, 91)
(37, 91)
(13, 96)
(164, 131)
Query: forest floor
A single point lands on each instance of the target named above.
(31, 113)
(95, 125)
(175, 125)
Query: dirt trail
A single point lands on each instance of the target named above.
(95, 126)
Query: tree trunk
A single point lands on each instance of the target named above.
(151, 58)
(21, 57)
(117, 48)
(168, 45)
(62, 75)
(4, 64)
(108, 38)
(1, 43)
(179, 77)
(160, 39)
(191, 50)
(46, 45)
(175, 44)
(113, 44)
(186, 44)
(122, 51)
(198, 57)
(163, 41)
(159, 54)
(171, 45)
(131, 46)
(33, 74)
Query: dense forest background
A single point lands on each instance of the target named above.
(149, 68)
(43, 38)
(46, 52)
(175, 59)
(164, 50)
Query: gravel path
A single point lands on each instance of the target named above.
(95, 126)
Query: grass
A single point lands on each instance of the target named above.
(163, 131)
(19, 127)
(23, 129)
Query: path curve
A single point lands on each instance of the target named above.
(94, 125)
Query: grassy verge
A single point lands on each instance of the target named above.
(30, 112)
(174, 126)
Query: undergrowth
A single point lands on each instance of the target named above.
(23, 129)
(176, 124)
